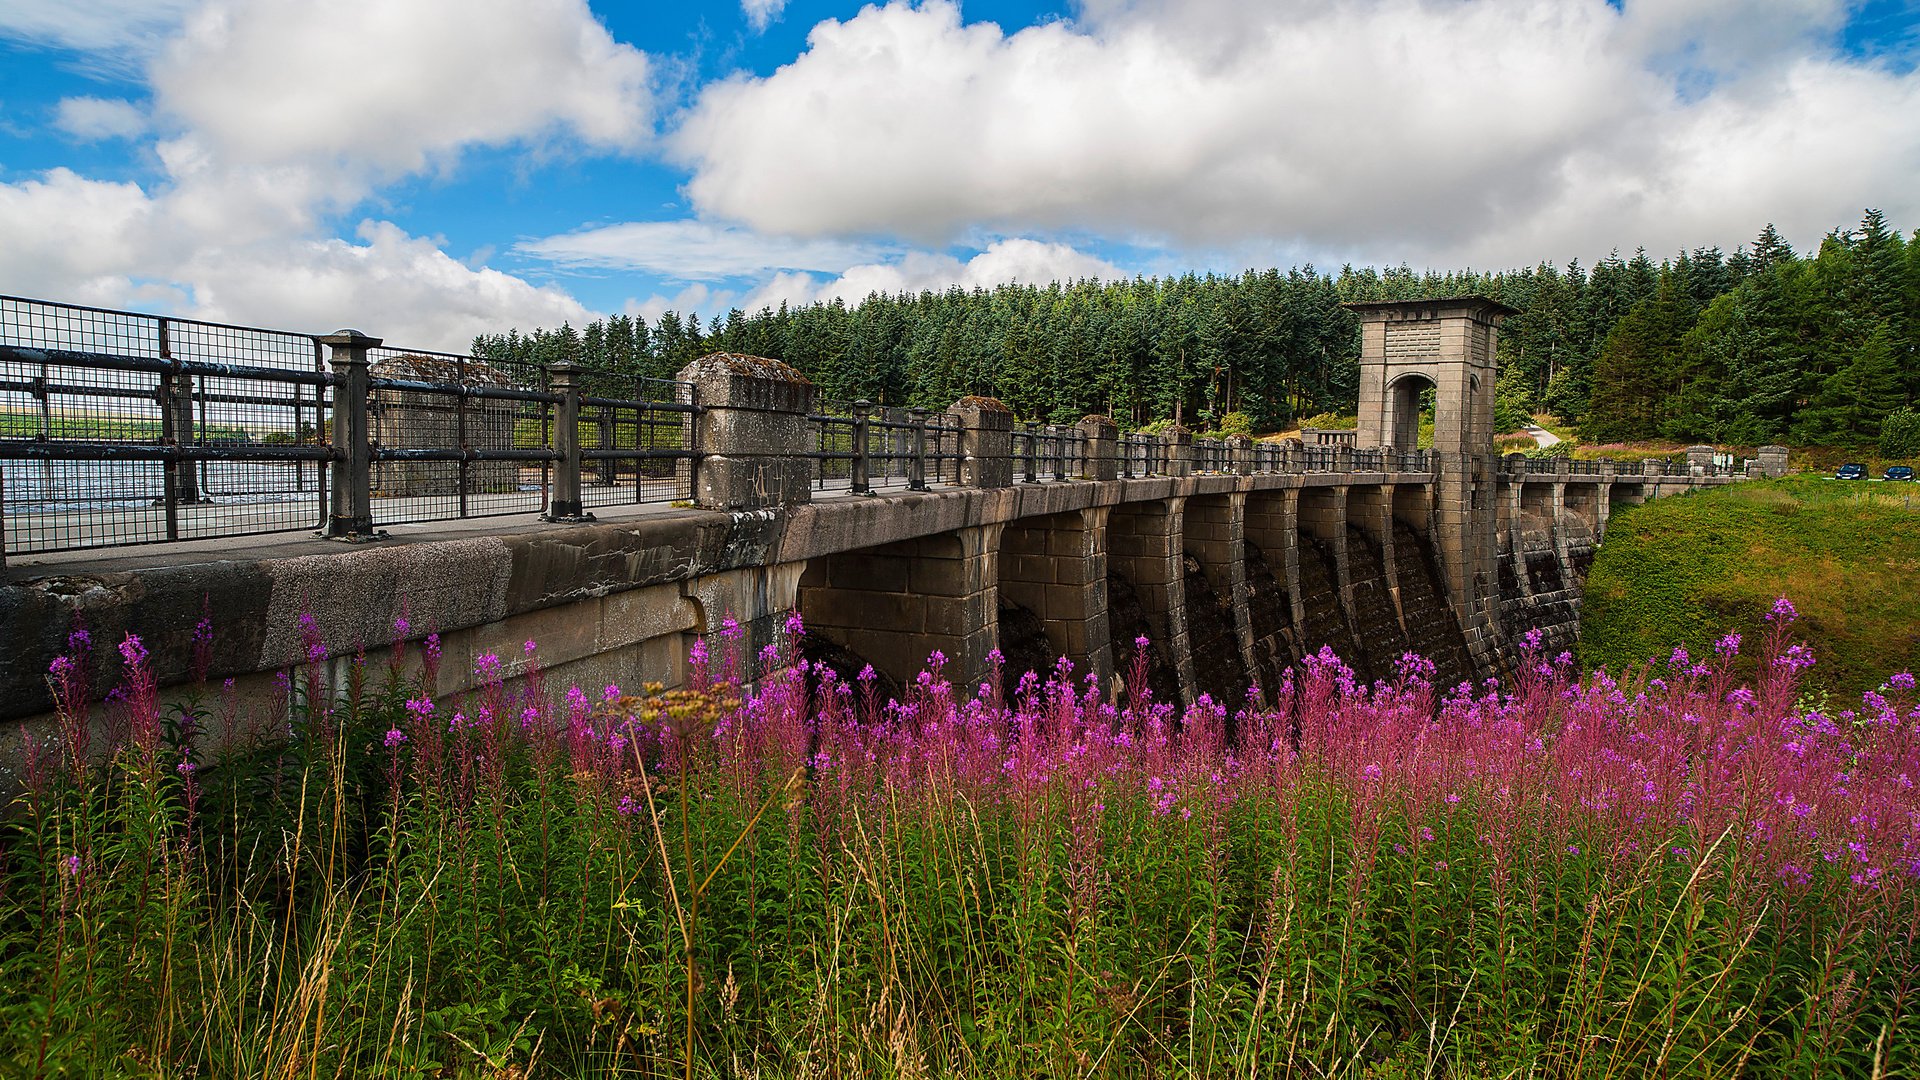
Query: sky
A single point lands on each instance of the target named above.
(425, 170)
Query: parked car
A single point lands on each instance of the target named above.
(1850, 471)
(1899, 472)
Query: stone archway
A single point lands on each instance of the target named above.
(1405, 408)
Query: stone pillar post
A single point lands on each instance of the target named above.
(752, 430)
(1653, 467)
(1103, 447)
(1699, 460)
(351, 513)
(1240, 455)
(986, 442)
(1343, 458)
(1178, 442)
(1773, 460)
(565, 505)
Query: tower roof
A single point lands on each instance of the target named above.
(1472, 304)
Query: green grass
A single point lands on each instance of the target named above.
(1687, 569)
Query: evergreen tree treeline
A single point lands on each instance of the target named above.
(1757, 346)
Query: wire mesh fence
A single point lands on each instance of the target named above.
(454, 436)
(636, 439)
(118, 427)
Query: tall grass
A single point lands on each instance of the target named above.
(1674, 875)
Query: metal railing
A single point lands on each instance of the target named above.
(863, 449)
(120, 428)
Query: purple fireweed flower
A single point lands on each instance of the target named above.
(795, 626)
(79, 642)
(71, 866)
(433, 648)
(629, 806)
(530, 647)
(730, 628)
(867, 674)
(394, 738)
(995, 657)
(1531, 640)
(611, 693)
(1900, 681)
(1728, 645)
(185, 768)
(401, 627)
(487, 667)
(1783, 611)
(132, 652)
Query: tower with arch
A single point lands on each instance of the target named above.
(1447, 345)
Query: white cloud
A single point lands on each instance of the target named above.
(759, 13)
(392, 88)
(280, 113)
(1004, 261)
(93, 119)
(692, 250)
(1491, 133)
(696, 299)
(113, 244)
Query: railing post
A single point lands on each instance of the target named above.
(859, 472)
(351, 514)
(564, 380)
(1033, 451)
(917, 474)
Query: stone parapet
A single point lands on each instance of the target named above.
(1178, 442)
(1103, 447)
(986, 442)
(752, 431)
(1773, 461)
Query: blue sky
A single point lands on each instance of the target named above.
(429, 169)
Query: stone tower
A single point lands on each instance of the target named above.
(1407, 347)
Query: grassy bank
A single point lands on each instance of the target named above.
(1686, 570)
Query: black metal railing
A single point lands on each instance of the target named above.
(121, 428)
(861, 448)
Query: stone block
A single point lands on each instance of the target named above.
(645, 613)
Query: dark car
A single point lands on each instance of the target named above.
(1899, 472)
(1850, 471)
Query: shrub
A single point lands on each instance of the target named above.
(1331, 421)
(1900, 434)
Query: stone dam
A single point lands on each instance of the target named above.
(1233, 567)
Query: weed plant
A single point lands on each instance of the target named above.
(1676, 875)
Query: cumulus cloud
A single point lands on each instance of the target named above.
(393, 87)
(93, 119)
(279, 114)
(1486, 133)
(692, 250)
(114, 244)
